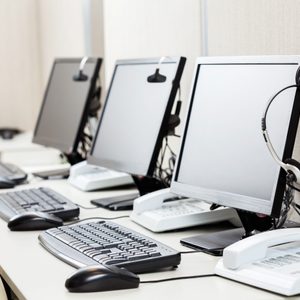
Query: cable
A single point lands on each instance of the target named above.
(293, 187)
(264, 118)
(97, 218)
(296, 207)
(165, 174)
(177, 278)
(287, 202)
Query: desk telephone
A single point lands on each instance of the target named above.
(88, 177)
(163, 211)
(268, 260)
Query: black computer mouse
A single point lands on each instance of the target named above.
(100, 278)
(33, 221)
(6, 183)
(9, 133)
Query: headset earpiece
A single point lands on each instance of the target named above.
(293, 162)
(292, 167)
(174, 121)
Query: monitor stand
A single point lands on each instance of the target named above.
(147, 185)
(74, 158)
(63, 170)
(214, 243)
(144, 185)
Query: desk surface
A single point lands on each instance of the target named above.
(34, 274)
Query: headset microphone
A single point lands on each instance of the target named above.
(291, 166)
(81, 76)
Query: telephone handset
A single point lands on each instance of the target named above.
(268, 260)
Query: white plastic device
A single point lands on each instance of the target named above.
(88, 177)
(268, 260)
(158, 212)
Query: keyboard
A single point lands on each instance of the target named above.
(12, 172)
(108, 243)
(38, 199)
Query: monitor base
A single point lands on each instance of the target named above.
(214, 243)
(147, 185)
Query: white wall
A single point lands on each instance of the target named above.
(20, 84)
(61, 31)
(256, 27)
(69, 28)
(143, 28)
(32, 34)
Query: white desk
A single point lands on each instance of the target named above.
(20, 142)
(34, 274)
(31, 157)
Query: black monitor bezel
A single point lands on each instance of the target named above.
(84, 116)
(176, 186)
(180, 61)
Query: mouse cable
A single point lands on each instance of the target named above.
(182, 277)
(178, 278)
(97, 218)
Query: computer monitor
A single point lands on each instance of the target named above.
(223, 158)
(136, 113)
(65, 107)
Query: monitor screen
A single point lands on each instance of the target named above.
(223, 158)
(135, 115)
(65, 106)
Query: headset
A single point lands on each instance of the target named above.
(95, 104)
(81, 76)
(164, 174)
(291, 166)
(174, 119)
(157, 77)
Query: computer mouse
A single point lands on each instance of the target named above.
(34, 220)
(6, 183)
(100, 278)
(9, 133)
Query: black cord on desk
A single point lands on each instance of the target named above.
(177, 278)
(182, 277)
